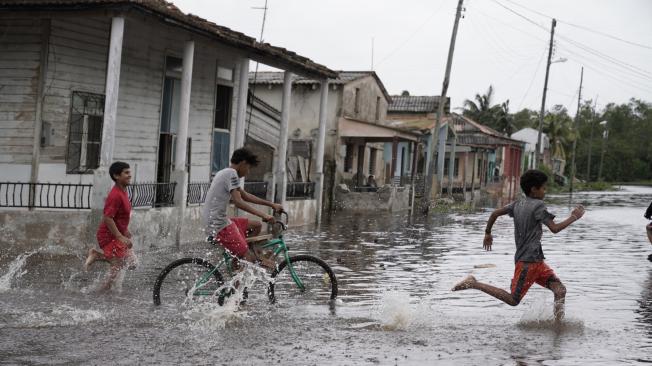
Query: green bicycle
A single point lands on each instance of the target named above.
(301, 277)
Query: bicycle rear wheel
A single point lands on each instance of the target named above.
(176, 281)
(318, 280)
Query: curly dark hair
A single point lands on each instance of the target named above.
(117, 168)
(243, 154)
(531, 179)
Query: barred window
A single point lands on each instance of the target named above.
(85, 133)
(302, 148)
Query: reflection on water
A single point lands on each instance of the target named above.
(394, 303)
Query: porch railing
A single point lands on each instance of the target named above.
(197, 192)
(45, 195)
(151, 194)
(258, 189)
(300, 190)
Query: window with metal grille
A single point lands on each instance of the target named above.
(85, 132)
(302, 148)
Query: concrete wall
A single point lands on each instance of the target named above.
(22, 230)
(387, 198)
(368, 93)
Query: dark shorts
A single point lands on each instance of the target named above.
(234, 237)
(528, 273)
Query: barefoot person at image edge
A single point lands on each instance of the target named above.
(529, 214)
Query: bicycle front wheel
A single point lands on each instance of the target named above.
(184, 279)
(317, 283)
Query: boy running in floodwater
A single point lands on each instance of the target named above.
(228, 186)
(528, 213)
(113, 234)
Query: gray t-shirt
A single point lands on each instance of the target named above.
(214, 212)
(529, 214)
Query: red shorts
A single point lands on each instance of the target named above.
(527, 273)
(233, 237)
(115, 249)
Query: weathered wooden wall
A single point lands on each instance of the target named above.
(76, 61)
(20, 44)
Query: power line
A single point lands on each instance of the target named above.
(536, 71)
(625, 66)
(583, 27)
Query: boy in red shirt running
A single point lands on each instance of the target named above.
(113, 236)
(529, 213)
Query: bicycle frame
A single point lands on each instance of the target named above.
(278, 246)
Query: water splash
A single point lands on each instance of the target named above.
(538, 315)
(16, 270)
(62, 315)
(396, 312)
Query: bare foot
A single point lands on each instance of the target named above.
(465, 284)
(92, 257)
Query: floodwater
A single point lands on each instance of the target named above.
(394, 306)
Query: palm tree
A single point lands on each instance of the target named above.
(482, 110)
(504, 120)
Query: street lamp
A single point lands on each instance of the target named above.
(605, 136)
(538, 152)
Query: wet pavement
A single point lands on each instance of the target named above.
(394, 306)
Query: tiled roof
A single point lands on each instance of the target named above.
(343, 77)
(177, 17)
(415, 104)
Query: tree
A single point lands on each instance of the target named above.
(525, 118)
(482, 111)
(405, 93)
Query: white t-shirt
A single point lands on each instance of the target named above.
(214, 212)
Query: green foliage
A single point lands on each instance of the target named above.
(627, 146)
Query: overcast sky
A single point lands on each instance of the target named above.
(494, 45)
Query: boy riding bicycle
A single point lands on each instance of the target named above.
(228, 186)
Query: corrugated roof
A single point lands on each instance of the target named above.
(343, 77)
(195, 23)
(415, 104)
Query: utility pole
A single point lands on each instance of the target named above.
(577, 119)
(588, 165)
(537, 153)
(434, 132)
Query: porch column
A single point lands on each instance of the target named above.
(243, 90)
(180, 175)
(394, 158)
(441, 158)
(281, 166)
(451, 167)
(101, 180)
(321, 143)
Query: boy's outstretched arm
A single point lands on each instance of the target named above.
(488, 239)
(240, 203)
(554, 227)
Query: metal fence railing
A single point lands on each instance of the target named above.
(197, 192)
(45, 195)
(300, 190)
(151, 194)
(258, 189)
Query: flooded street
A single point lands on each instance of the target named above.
(394, 306)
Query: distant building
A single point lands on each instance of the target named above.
(530, 136)
(482, 155)
(358, 141)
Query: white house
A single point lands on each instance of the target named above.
(530, 136)
(85, 83)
